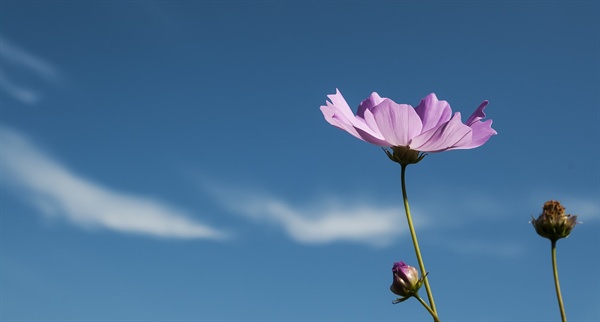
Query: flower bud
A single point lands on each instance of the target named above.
(406, 281)
(553, 223)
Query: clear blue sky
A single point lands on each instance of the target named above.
(168, 160)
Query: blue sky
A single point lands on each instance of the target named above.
(168, 160)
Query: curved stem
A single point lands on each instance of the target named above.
(413, 234)
(433, 314)
(557, 283)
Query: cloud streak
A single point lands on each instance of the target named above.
(319, 222)
(54, 189)
(22, 62)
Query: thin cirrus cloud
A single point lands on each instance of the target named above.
(319, 222)
(32, 69)
(55, 190)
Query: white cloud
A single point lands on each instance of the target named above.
(17, 59)
(318, 222)
(54, 189)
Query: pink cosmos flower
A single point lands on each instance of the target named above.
(430, 127)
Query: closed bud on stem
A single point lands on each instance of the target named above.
(553, 223)
(406, 282)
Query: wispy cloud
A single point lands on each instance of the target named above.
(21, 62)
(317, 222)
(54, 189)
(21, 94)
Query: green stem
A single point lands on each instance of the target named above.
(413, 234)
(433, 314)
(557, 283)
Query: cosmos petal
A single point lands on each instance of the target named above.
(443, 137)
(338, 119)
(374, 99)
(338, 113)
(398, 123)
(433, 112)
(478, 114)
(482, 131)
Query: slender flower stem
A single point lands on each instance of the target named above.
(433, 314)
(557, 283)
(413, 234)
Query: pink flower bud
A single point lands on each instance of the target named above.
(406, 281)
